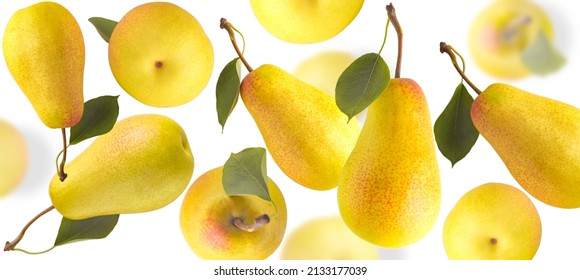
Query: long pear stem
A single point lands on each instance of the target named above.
(11, 245)
(224, 24)
(393, 18)
(259, 222)
(62, 175)
(444, 48)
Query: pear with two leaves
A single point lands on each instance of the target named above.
(44, 50)
(536, 137)
(142, 164)
(308, 137)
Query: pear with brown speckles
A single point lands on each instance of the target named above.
(390, 191)
(537, 138)
(308, 137)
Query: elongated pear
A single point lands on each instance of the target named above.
(390, 192)
(44, 50)
(537, 138)
(143, 164)
(308, 137)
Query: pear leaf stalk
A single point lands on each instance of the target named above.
(444, 48)
(9, 246)
(224, 24)
(61, 174)
(393, 18)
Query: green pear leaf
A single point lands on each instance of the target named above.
(454, 131)
(228, 90)
(361, 83)
(244, 173)
(79, 230)
(99, 117)
(104, 27)
(541, 57)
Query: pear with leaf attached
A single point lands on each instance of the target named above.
(389, 192)
(45, 53)
(142, 164)
(218, 226)
(537, 138)
(308, 137)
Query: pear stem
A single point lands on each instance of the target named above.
(259, 222)
(393, 18)
(444, 48)
(224, 24)
(11, 245)
(61, 174)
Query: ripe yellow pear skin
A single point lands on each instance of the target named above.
(143, 164)
(305, 22)
(537, 138)
(45, 53)
(502, 31)
(492, 222)
(207, 220)
(13, 157)
(308, 137)
(389, 193)
(327, 238)
(160, 54)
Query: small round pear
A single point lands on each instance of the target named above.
(13, 157)
(160, 54)
(492, 222)
(305, 22)
(221, 227)
(502, 31)
(327, 238)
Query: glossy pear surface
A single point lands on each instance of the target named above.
(13, 157)
(143, 164)
(390, 192)
(305, 22)
(160, 54)
(537, 138)
(327, 238)
(305, 132)
(45, 53)
(207, 215)
(492, 222)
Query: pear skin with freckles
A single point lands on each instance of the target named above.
(389, 193)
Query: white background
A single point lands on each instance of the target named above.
(151, 244)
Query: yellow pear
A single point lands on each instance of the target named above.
(327, 238)
(142, 164)
(389, 193)
(160, 55)
(45, 53)
(13, 157)
(308, 137)
(304, 22)
(323, 69)
(502, 31)
(218, 226)
(537, 138)
(492, 222)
